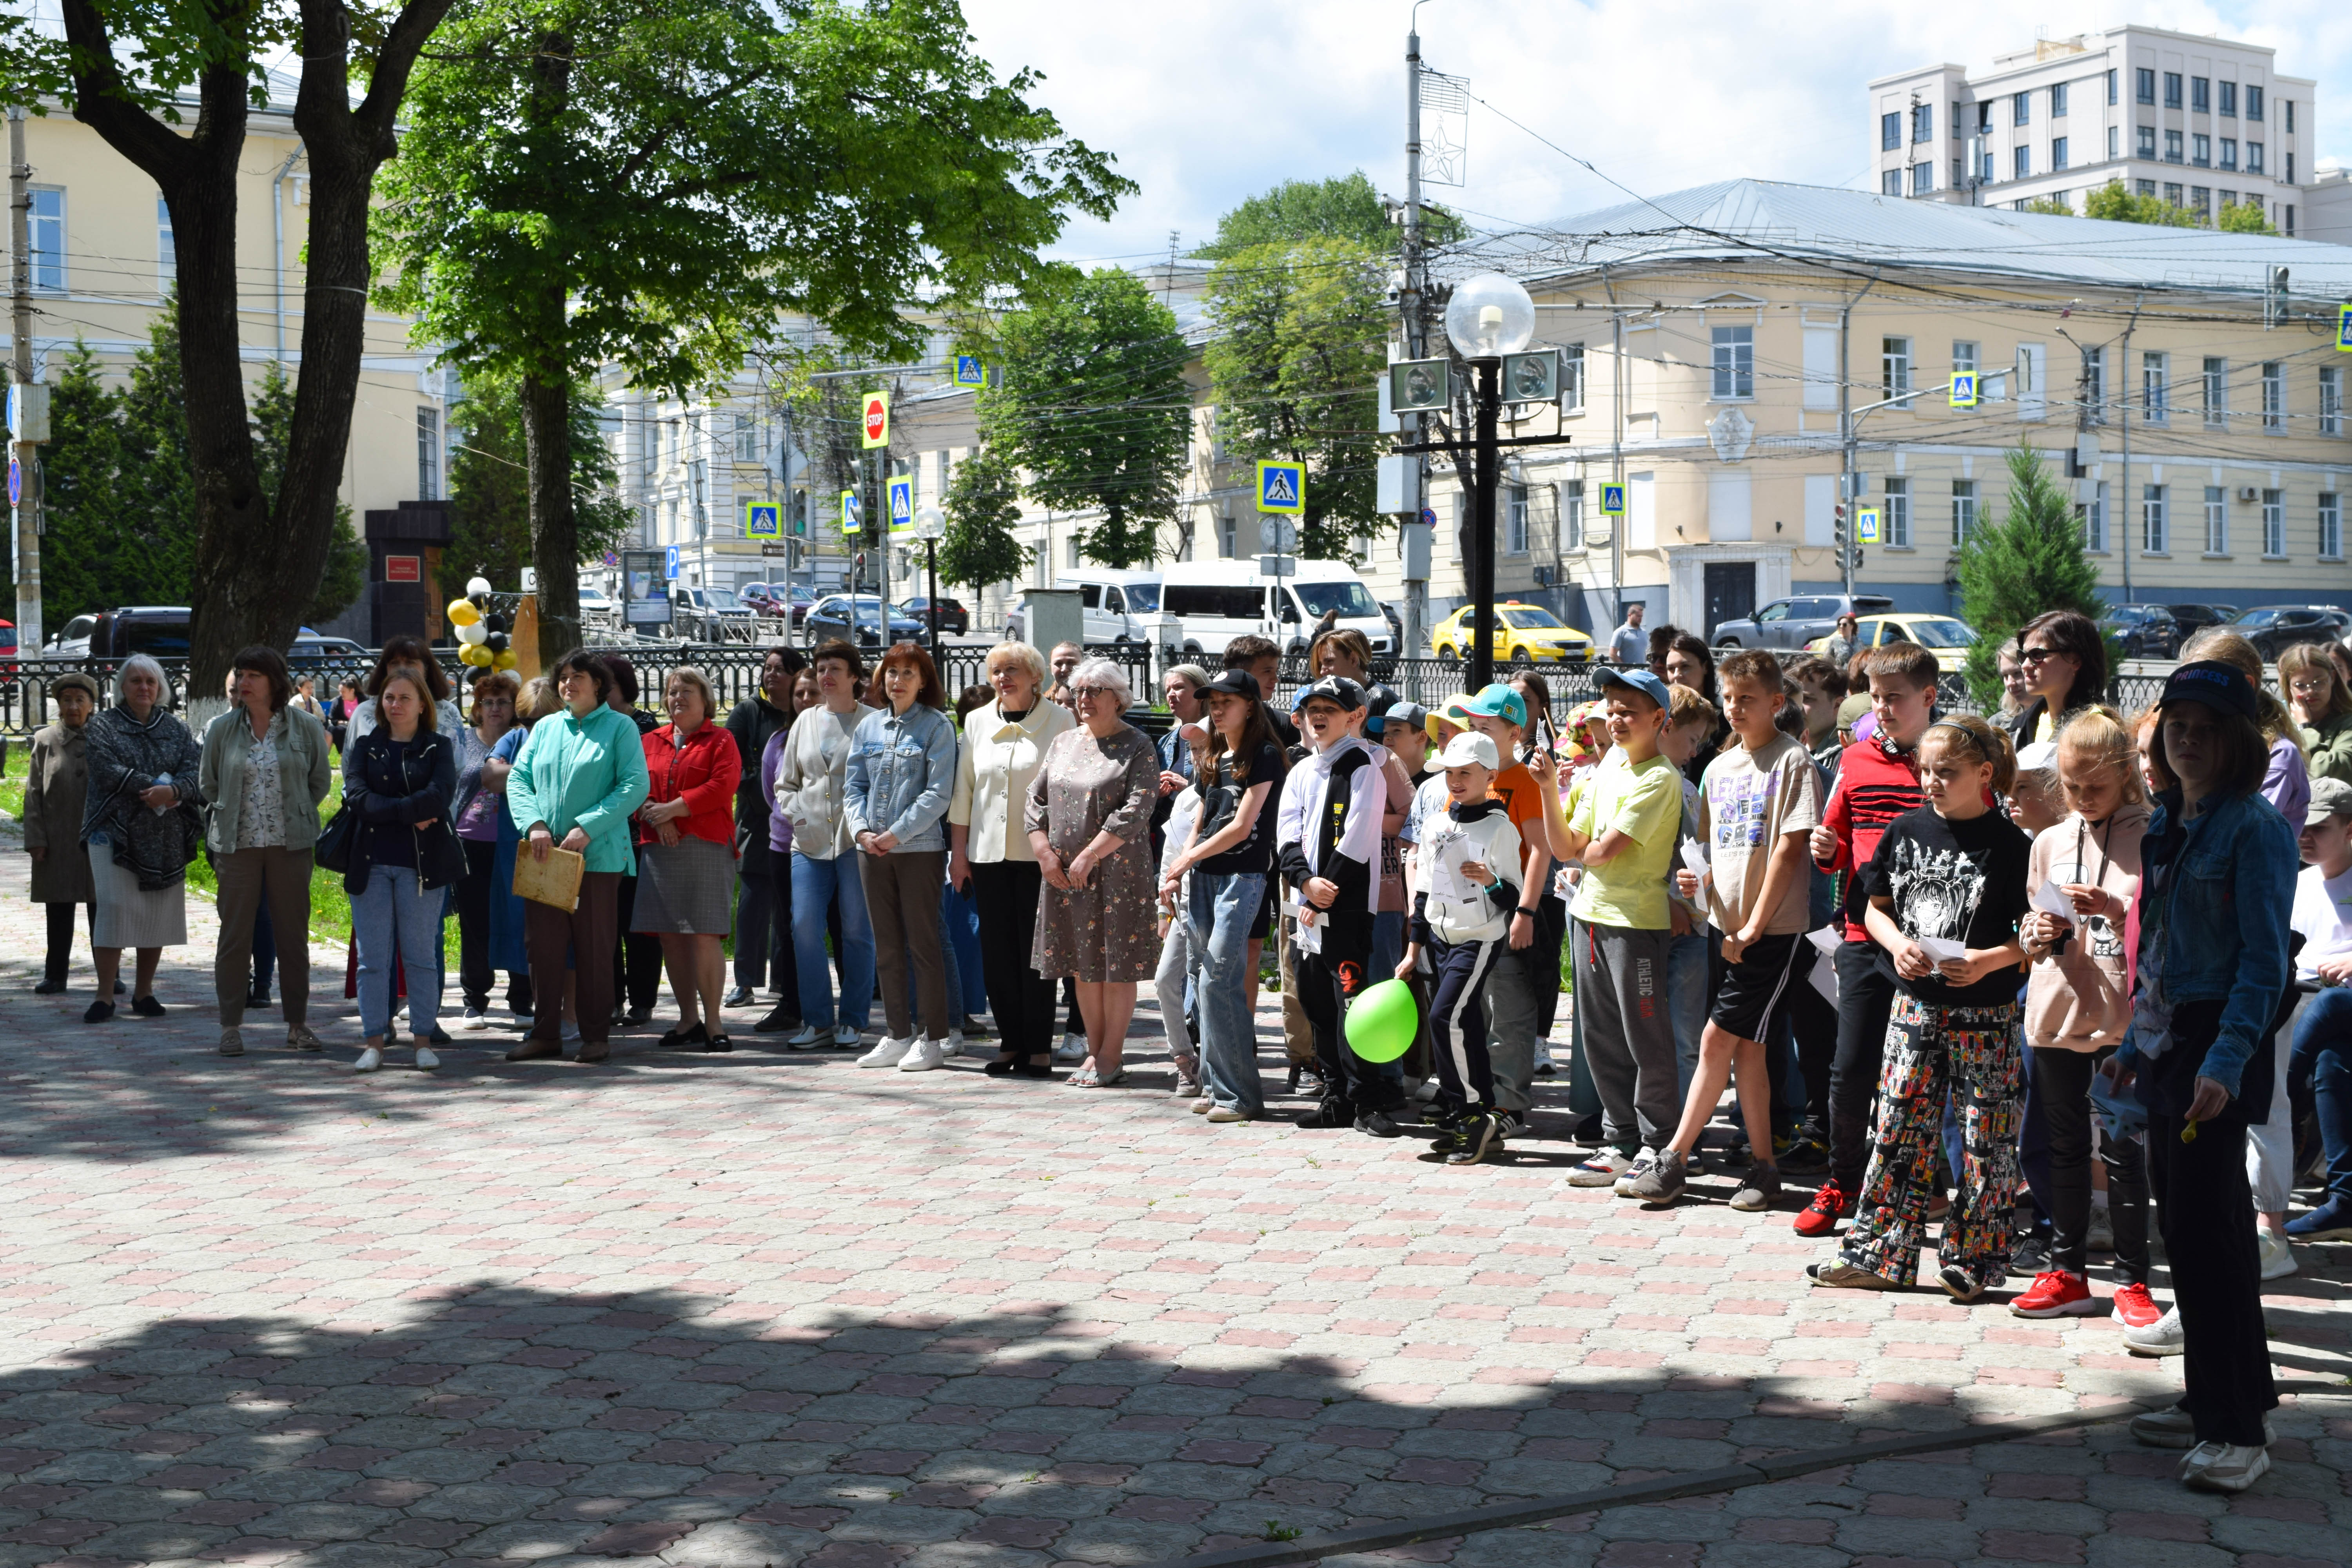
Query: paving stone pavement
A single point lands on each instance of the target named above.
(769, 1308)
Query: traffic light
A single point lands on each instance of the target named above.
(1837, 514)
(2274, 297)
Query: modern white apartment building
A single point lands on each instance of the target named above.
(2200, 122)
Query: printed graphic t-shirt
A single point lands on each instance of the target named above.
(1962, 880)
(1753, 799)
(1254, 853)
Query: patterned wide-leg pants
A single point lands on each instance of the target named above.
(1971, 1053)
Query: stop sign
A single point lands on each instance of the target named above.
(877, 419)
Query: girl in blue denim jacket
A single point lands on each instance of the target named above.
(2218, 881)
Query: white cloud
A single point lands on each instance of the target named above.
(1208, 102)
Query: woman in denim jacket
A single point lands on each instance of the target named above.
(901, 774)
(2218, 883)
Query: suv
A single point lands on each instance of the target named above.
(2195, 618)
(1791, 622)
(2143, 631)
(2276, 628)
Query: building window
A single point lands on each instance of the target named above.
(1895, 366)
(2147, 140)
(1572, 514)
(2200, 200)
(2201, 95)
(2057, 153)
(428, 453)
(2172, 90)
(2331, 527)
(2058, 101)
(1515, 520)
(2095, 522)
(1964, 509)
(2111, 86)
(2287, 174)
(2115, 141)
(1227, 538)
(2154, 372)
(1734, 362)
(2275, 398)
(1070, 554)
(2172, 194)
(2228, 153)
(2021, 109)
(2151, 519)
(2215, 385)
(2331, 401)
(2254, 102)
(1890, 183)
(1923, 122)
(2217, 521)
(1959, 178)
(2095, 385)
(2253, 157)
(2274, 523)
(2172, 147)
(747, 438)
(1964, 358)
(2229, 91)
(1890, 132)
(1922, 179)
(48, 239)
(167, 246)
(2144, 80)
(2200, 152)
(2147, 187)
(2021, 163)
(2286, 216)
(1898, 514)
(2286, 118)
(1955, 120)
(1984, 168)
(1571, 378)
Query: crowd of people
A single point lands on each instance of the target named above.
(2007, 976)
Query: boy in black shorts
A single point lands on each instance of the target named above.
(1758, 804)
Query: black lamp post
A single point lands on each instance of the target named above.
(930, 527)
(1485, 475)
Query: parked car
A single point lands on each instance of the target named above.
(314, 650)
(2273, 628)
(954, 617)
(1116, 606)
(770, 599)
(158, 629)
(1524, 634)
(705, 612)
(853, 616)
(2143, 631)
(1796, 622)
(2194, 618)
(8, 647)
(1947, 639)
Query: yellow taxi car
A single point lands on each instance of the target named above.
(1523, 633)
(1947, 638)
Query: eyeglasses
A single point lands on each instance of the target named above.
(2036, 655)
(1085, 693)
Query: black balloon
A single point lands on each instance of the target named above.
(495, 623)
(496, 642)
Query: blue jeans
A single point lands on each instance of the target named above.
(1686, 966)
(1223, 905)
(2323, 1052)
(393, 909)
(815, 886)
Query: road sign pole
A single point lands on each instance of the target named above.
(27, 453)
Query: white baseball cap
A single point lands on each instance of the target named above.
(1466, 748)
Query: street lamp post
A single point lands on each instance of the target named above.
(1488, 316)
(930, 527)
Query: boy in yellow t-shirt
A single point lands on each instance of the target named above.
(1623, 830)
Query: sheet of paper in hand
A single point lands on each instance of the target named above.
(1942, 949)
(2051, 898)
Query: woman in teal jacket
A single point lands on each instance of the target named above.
(575, 786)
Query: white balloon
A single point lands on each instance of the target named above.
(476, 632)
(477, 587)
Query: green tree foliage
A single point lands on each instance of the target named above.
(2021, 563)
(2244, 218)
(982, 504)
(491, 498)
(1294, 369)
(94, 554)
(2050, 207)
(2112, 202)
(653, 185)
(1094, 410)
(1346, 208)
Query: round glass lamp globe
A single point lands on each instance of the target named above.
(930, 523)
(1489, 315)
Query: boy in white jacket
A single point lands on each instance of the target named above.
(1327, 840)
(1464, 893)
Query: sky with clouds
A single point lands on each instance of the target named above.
(1207, 101)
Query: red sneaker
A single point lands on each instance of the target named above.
(1821, 1215)
(2056, 1294)
(2134, 1308)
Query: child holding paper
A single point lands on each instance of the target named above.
(1946, 889)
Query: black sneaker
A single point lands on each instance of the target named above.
(1960, 1284)
(1474, 1138)
(1329, 1113)
(1589, 1133)
(1446, 1124)
(739, 998)
(783, 1018)
(147, 1006)
(2031, 1257)
(257, 998)
(1378, 1124)
(1807, 1156)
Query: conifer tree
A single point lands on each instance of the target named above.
(2016, 565)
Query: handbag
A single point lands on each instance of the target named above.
(333, 850)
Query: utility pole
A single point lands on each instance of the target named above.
(2125, 408)
(1409, 302)
(1846, 496)
(24, 455)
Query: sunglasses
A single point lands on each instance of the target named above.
(2036, 655)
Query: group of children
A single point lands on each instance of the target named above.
(1875, 927)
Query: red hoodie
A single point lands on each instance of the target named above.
(1876, 785)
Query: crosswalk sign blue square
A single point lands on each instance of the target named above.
(2344, 328)
(969, 372)
(1613, 500)
(1964, 389)
(1282, 487)
(763, 520)
(902, 503)
(853, 514)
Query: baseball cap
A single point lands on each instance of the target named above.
(1404, 715)
(1238, 683)
(1449, 712)
(2329, 797)
(2221, 686)
(1466, 748)
(1336, 688)
(1636, 680)
(1496, 700)
(2035, 758)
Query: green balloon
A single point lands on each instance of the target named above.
(1382, 1021)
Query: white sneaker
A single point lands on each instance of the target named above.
(2278, 1258)
(2223, 1467)
(474, 1018)
(1635, 1172)
(845, 1036)
(2174, 1428)
(571, 1033)
(370, 1059)
(924, 1056)
(2162, 1337)
(426, 1059)
(807, 1038)
(1427, 1093)
(889, 1054)
(1073, 1048)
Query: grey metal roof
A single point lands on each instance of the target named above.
(1760, 219)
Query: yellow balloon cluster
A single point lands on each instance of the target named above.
(477, 654)
(463, 613)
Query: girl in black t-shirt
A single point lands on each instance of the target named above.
(1952, 872)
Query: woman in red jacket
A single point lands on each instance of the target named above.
(685, 855)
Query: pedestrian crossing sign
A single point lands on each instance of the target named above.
(2343, 327)
(969, 372)
(902, 503)
(1964, 389)
(763, 520)
(1613, 500)
(1282, 487)
(1865, 525)
(853, 515)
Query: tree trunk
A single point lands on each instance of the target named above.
(554, 527)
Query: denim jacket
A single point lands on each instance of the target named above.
(2223, 919)
(901, 774)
